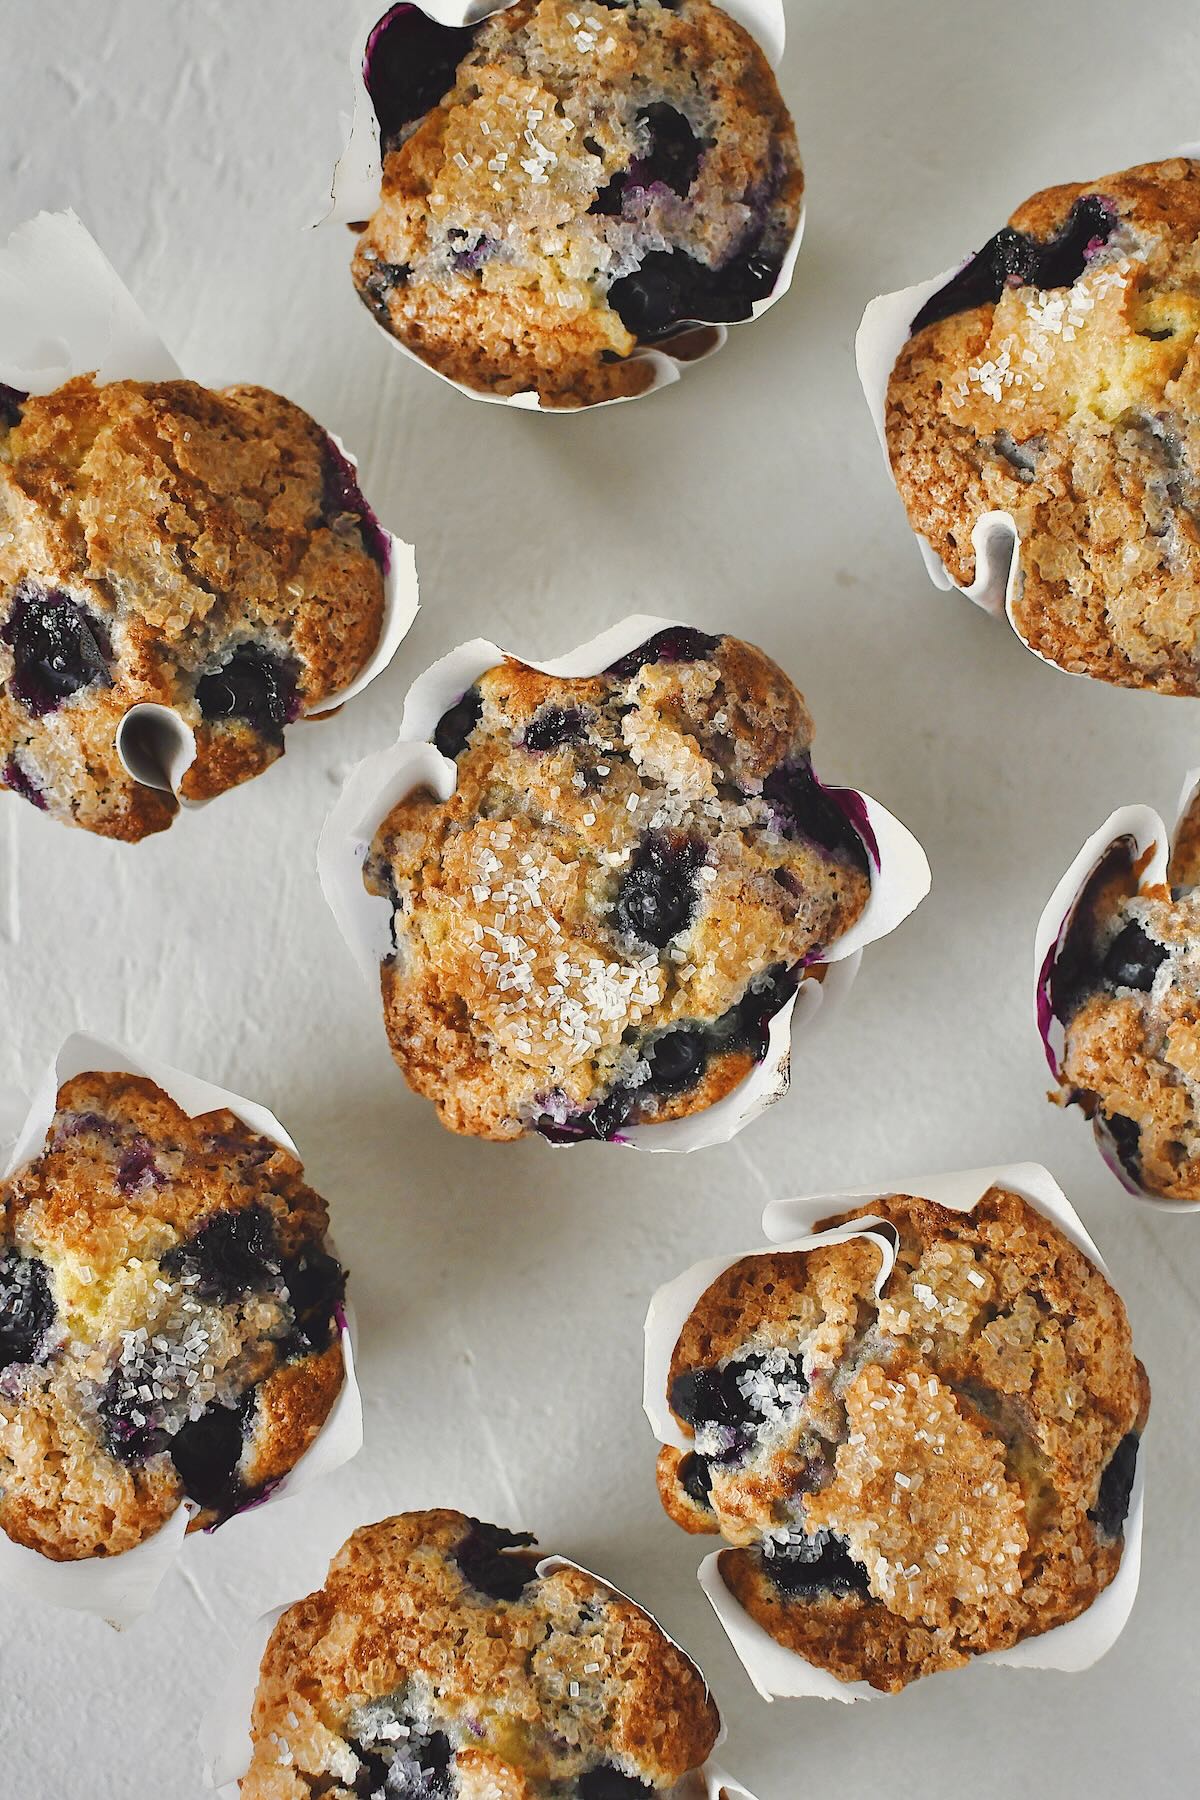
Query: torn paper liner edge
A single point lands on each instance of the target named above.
(776, 1672)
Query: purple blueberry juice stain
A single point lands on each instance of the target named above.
(18, 781)
(342, 497)
(1014, 259)
(409, 65)
(58, 649)
(137, 1170)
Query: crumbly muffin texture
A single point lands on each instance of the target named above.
(436, 1664)
(1126, 988)
(631, 876)
(161, 542)
(912, 1480)
(1056, 378)
(168, 1320)
(569, 180)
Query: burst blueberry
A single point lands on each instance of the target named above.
(454, 728)
(801, 1575)
(251, 685)
(483, 1556)
(657, 897)
(671, 289)
(554, 726)
(229, 1255)
(410, 64)
(695, 1478)
(1116, 1487)
(1126, 1136)
(608, 1783)
(206, 1452)
(343, 498)
(1012, 258)
(1133, 959)
(675, 643)
(677, 1060)
(27, 1310)
(57, 649)
(802, 808)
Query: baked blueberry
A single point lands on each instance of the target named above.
(809, 1567)
(454, 728)
(657, 897)
(1116, 1487)
(56, 649)
(636, 163)
(251, 685)
(397, 1681)
(1016, 259)
(553, 727)
(228, 1254)
(1133, 959)
(485, 1558)
(675, 643)
(27, 1310)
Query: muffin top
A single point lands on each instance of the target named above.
(436, 1664)
(920, 1477)
(168, 1320)
(629, 880)
(209, 552)
(1055, 378)
(1126, 989)
(565, 182)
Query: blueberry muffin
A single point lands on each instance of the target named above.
(168, 1321)
(912, 1480)
(631, 877)
(160, 542)
(1056, 377)
(568, 181)
(436, 1664)
(1126, 989)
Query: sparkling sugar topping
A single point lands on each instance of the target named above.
(562, 996)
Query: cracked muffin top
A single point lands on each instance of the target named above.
(1126, 988)
(565, 182)
(161, 542)
(912, 1479)
(1055, 377)
(169, 1320)
(436, 1664)
(631, 877)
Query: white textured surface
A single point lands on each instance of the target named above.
(501, 1291)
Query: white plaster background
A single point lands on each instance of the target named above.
(501, 1290)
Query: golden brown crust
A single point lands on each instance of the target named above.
(529, 1692)
(957, 1445)
(610, 869)
(1075, 410)
(180, 524)
(167, 1320)
(492, 253)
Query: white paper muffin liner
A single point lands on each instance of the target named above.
(357, 178)
(899, 871)
(121, 1588)
(64, 311)
(882, 334)
(1150, 845)
(226, 1745)
(790, 1225)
